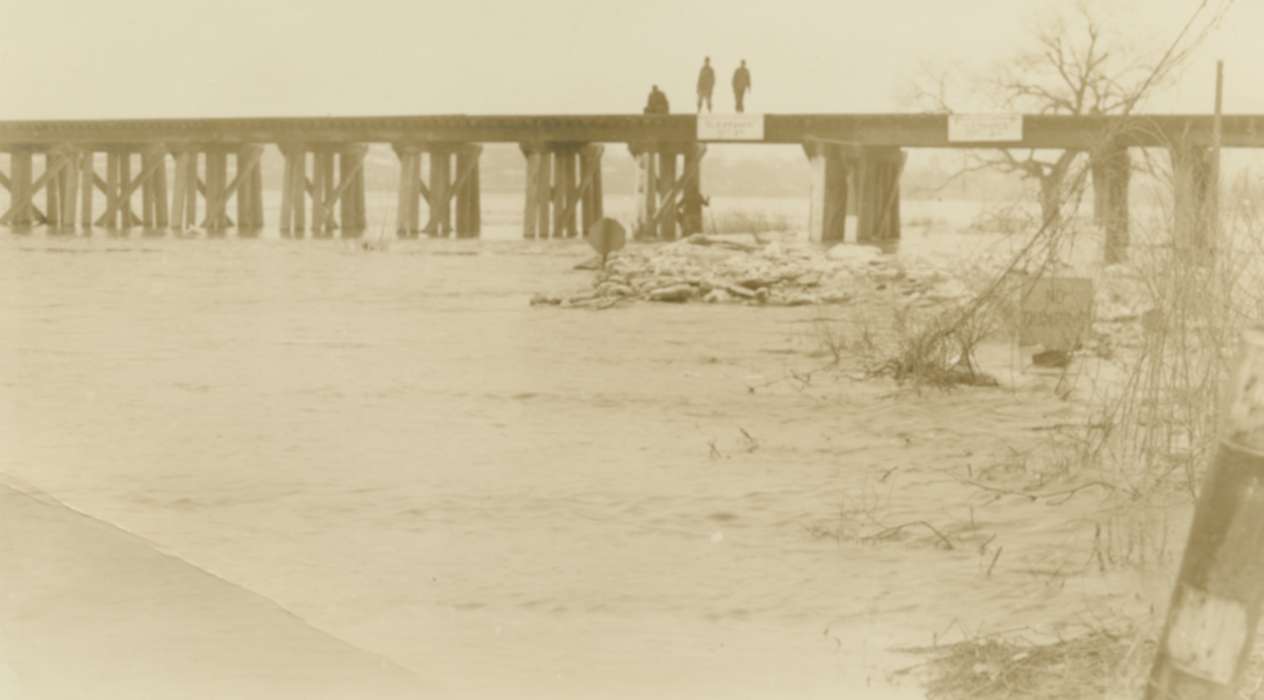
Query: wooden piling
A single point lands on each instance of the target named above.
(113, 191)
(147, 208)
(1191, 182)
(161, 220)
(191, 191)
(126, 216)
(878, 219)
(667, 194)
(563, 181)
(530, 214)
(20, 162)
(827, 211)
(322, 170)
(351, 185)
(1117, 177)
(69, 190)
(216, 195)
(467, 215)
(87, 188)
(440, 223)
(647, 195)
(179, 197)
(53, 162)
(408, 212)
(691, 222)
(590, 180)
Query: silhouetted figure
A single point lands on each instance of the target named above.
(706, 83)
(741, 85)
(657, 102)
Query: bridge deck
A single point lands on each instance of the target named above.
(906, 130)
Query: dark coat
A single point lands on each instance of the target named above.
(706, 80)
(741, 79)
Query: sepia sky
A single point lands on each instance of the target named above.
(168, 58)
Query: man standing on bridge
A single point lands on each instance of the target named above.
(657, 102)
(706, 83)
(741, 85)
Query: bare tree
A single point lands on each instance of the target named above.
(1074, 67)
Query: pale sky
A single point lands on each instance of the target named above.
(176, 58)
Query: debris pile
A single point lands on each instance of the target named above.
(747, 270)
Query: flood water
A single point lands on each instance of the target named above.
(511, 501)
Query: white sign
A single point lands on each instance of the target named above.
(730, 127)
(985, 127)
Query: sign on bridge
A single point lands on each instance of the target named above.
(971, 128)
(730, 127)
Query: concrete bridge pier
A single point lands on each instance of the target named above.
(1192, 183)
(828, 199)
(1111, 169)
(669, 200)
(335, 190)
(563, 189)
(878, 194)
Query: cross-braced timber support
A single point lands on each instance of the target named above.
(668, 199)
(454, 179)
(59, 180)
(564, 189)
(335, 189)
(216, 189)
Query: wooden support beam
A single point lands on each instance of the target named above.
(159, 177)
(328, 198)
(20, 167)
(87, 183)
(351, 189)
(70, 190)
(466, 190)
(647, 195)
(320, 215)
(827, 210)
(590, 186)
(530, 215)
(179, 191)
(440, 223)
(544, 194)
(216, 221)
(243, 187)
(878, 187)
(691, 199)
(668, 193)
(1114, 185)
(1191, 182)
(127, 217)
(408, 211)
(113, 189)
(148, 164)
(53, 164)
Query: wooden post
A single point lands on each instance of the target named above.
(216, 183)
(1215, 609)
(350, 166)
(299, 192)
(20, 189)
(408, 212)
(113, 192)
(827, 210)
(545, 191)
(878, 218)
(692, 221)
(1116, 173)
(1191, 182)
(647, 194)
(52, 190)
(126, 215)
(191, 191)
(467, 193)
(160, 191)
(179, 195)
(87, 187)
(590, 172)
(667, 192)
(147, 164)
(562, 183)
(69, 190)
(440, 223)
(328, 198)
(530, 215)
(245, 208)
(320, 226)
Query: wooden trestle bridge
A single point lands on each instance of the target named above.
(179, 168)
